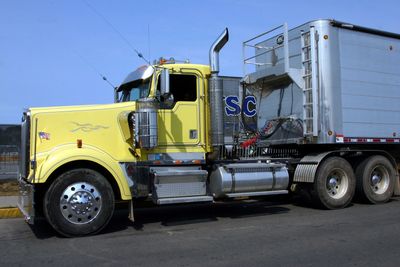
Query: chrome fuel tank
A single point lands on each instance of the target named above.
(247, 178)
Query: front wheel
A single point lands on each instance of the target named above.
(79, 202)
(334, 184)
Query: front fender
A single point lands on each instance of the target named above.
(49, 162)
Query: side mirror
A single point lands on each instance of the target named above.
(164, 86)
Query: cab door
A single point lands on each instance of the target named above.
(180, 120)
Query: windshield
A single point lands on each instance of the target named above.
(134, 90)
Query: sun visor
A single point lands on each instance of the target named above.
(142, 73)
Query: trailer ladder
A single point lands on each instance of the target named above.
(310, 90)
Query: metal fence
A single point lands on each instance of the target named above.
(9, 161)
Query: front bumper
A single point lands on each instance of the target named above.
(26, 200)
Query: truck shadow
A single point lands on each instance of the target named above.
(179, 215)
(176, 215)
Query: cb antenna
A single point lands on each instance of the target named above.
(140, 55)
(148, 39)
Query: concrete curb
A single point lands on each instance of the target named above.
(10, 213)
(8, 207)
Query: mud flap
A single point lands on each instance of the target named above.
(397, 185)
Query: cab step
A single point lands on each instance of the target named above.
(177, 200)
(179, 185)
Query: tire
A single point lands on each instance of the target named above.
(334, 184)
(375, 179)
(79, 202)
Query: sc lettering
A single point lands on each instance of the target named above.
(232, 106)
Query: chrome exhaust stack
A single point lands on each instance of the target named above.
(214, 51)
(216, 96)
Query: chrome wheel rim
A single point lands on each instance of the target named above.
(379, 179)
(337, 183)
(80, 203)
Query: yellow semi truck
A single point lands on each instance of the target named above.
(308, 116)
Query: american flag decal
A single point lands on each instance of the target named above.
(43, 135)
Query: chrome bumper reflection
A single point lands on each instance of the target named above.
(25, 200)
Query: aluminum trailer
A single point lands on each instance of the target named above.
(326, 96)
(342, 81)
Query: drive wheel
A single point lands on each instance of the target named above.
(79, 202)
(375, 179)
(334, 184)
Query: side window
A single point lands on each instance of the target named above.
(182, 87)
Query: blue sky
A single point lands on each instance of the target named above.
(49, 49)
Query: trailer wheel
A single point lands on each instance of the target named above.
(334, 184)
(375, 179)
(79, 202)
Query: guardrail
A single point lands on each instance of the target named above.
(255, 43)
(9, 161)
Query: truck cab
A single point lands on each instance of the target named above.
(182, 104)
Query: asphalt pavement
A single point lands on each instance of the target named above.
(260, 233)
